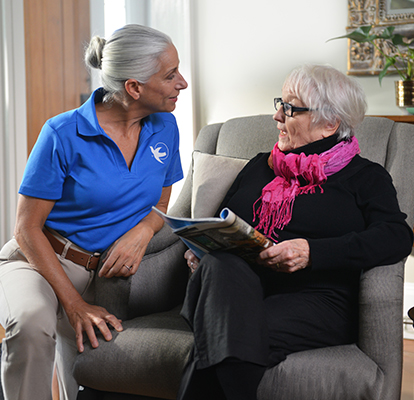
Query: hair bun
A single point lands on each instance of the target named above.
(93, 54)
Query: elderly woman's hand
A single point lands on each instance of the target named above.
(192, 260)
(288, 256)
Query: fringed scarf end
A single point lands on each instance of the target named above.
(278, 196)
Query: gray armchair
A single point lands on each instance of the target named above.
(147, 358)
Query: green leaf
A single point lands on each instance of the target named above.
(360, 35)
(398, 40)
(390, 61)
(387, 33)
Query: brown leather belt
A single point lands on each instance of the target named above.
(88, 260)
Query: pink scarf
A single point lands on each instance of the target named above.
(278, 196)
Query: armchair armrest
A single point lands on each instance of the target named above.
(381, 322)
(159, 284)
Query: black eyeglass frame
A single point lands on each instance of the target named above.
(289, 109)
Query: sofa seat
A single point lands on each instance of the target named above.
(147, 357)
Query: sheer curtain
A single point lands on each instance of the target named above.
(173, 18)
(13, 141)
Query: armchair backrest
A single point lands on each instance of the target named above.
(384, 141)
(391, 144)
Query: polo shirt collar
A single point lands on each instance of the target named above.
(88, 124)
(87, 120)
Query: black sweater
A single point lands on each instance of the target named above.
(355, 224)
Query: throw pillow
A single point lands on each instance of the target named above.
(212, 177)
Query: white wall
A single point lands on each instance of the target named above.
(244, 49)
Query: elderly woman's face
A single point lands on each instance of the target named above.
(296, 131)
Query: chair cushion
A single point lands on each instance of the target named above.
(158, 285)
(147, 358)
(340, 372)
(212, 178)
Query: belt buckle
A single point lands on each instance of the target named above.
(89, 261)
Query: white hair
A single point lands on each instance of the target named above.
(331, 93)
(132, 52)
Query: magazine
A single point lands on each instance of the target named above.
(228, 232)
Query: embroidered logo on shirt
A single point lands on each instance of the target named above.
(160, 152)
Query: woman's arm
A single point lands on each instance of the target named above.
(386, 238)
(129, 249)
(31, 216)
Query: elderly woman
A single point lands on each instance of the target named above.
(90, 182)
(329, 211)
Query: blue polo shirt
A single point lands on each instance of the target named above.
(98, 198)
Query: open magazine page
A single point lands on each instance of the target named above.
(228, 232)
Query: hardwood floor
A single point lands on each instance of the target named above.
(407, 392)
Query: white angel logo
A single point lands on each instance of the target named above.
(160, 152)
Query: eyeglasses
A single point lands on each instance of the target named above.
(288, 109)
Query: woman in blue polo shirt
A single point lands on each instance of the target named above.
(89, 184)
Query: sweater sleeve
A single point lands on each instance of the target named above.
(386, 238)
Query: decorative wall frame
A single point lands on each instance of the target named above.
(364, 58)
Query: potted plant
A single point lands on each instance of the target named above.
(398, 52)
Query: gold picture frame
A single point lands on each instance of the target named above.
(364, 58)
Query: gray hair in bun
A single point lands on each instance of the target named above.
(93, 56)
(132, 52)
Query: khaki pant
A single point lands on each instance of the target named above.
(38, 333)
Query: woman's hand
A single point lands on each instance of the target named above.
(192, 260)
(125, 255)
(288, 256)
(84, 317)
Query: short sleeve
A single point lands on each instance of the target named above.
(45, 170)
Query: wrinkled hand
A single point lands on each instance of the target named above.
(84, 317)
(288, 256)
(192, 260)
(125, 255)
